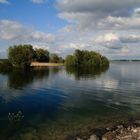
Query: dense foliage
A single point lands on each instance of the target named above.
(41, 55)
(20, 56)
(54, 58)
(80, 58)
(5, 66)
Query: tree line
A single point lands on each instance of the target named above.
(21, 56)
(86, 58)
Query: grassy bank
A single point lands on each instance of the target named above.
(43, 64)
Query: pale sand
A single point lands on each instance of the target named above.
(43, 64)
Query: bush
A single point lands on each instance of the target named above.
(82, 58)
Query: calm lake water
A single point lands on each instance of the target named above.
(58, 103)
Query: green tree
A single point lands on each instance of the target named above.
(71, 60)
(20, 56)
(84, 57)
(55, 58)
(105, 61)
(41, 55)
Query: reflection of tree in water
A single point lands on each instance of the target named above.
(85, 71)
(55, 70)
(18, 79)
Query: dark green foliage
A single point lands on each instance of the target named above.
(82, 58)
(5, 66)
(105, 61)
(87, 71)
(20, 78)
(20, 56)
(41, 55)
(71, 60)
(54, 58)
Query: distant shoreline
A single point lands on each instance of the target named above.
(44, 64)
(126, 60)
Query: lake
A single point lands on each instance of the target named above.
(58, 103)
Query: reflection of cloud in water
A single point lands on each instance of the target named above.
(120, 85)
(19, 83)
(107, 84)
(3, 81)
(9, 95)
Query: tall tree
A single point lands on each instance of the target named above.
(41, 55)
(55, 58)
(20, 55)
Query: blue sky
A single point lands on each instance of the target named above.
(61, 26)
(42, 16)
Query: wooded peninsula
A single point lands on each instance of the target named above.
(24, 56)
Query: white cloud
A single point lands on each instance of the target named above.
(13, 32)
(117, 41)
(109, 37)
(107, 26)
(131, 39)
(16, 32)
(39, 1)
(4, 1)
(100, 6)
(119, 23)
(101, 14)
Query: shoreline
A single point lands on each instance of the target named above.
(122, 131)
(44, 64)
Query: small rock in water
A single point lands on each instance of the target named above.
(120, 126)
(135, 130)
(108, 136)
(93, 137)
(78, 139)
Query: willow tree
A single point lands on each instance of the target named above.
(20, 56)
(86, 58)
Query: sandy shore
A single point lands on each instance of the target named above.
(38, 64)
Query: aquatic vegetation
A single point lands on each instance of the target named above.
(15, 117)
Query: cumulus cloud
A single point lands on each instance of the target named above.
(117, 41)
(109, 40)
(113, 37)
(16, 32)
(39, 1)
(109, 37)
(13, 32)
(101, 6)
(108, 26)
(100, 14)
(111, 27)
(131, 39)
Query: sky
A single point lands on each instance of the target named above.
(110, 27)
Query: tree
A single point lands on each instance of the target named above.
(54, 58)
(20, 56)
(70, 60)
(41, 55)
(84, 57)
